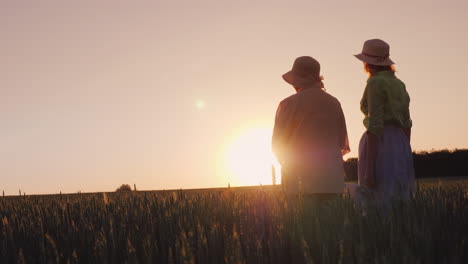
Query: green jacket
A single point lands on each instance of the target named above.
(385, 100)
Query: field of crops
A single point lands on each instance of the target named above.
(256, 225)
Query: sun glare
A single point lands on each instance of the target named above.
(249, 158)
(200, 104)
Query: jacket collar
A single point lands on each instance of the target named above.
(316, 85)
(385, 73)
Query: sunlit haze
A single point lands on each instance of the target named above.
(249, 158)
(183, 94)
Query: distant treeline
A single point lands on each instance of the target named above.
(442, 163)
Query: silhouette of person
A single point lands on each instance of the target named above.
(385, 165)
(310, 135)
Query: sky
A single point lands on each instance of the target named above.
(94, 94)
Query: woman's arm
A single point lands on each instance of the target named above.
(281, 131)
(407, 122)
(376, 101)
(371, 158)
(277, 138)
(344, 142)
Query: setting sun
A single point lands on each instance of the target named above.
(249, 158)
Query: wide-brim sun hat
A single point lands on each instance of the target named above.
(375, 52)
(304, 73)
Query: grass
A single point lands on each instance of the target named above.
(247, 225)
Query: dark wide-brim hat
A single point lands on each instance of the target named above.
(304, 73)
(375, 52)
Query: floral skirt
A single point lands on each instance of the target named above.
(393, 168)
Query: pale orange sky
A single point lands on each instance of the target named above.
(94, 94)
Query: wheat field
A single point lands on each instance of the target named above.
(244, 225)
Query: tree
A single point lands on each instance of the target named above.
(124, 188)
(434, 164)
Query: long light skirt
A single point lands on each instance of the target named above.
(393, 168)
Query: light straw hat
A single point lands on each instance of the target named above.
(375, 52)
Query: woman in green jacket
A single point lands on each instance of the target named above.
(385, 168)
